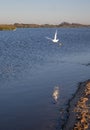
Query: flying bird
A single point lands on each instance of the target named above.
(55, 39)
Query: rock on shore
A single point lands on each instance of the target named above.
(79, 109)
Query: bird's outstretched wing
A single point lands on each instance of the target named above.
(49, 38)
(55, 36)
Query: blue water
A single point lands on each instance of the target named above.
(31, 67)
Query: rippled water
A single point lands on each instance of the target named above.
(37, 77)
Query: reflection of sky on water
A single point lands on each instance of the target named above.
(56, 93)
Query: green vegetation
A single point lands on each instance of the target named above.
(7, 27)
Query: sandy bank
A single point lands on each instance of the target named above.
(79, 109)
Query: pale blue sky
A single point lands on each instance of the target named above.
(45, 11)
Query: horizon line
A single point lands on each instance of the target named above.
(43, 23)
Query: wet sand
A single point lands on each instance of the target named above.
(79, 109)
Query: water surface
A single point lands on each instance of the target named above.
(32, 69)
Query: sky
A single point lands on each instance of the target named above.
(44, 11)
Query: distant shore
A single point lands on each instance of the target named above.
(22, 25)
(79, 109)
(63, 24)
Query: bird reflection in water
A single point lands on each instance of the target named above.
(56, 93)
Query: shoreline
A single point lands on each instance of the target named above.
(32, 25)
(78, 110)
